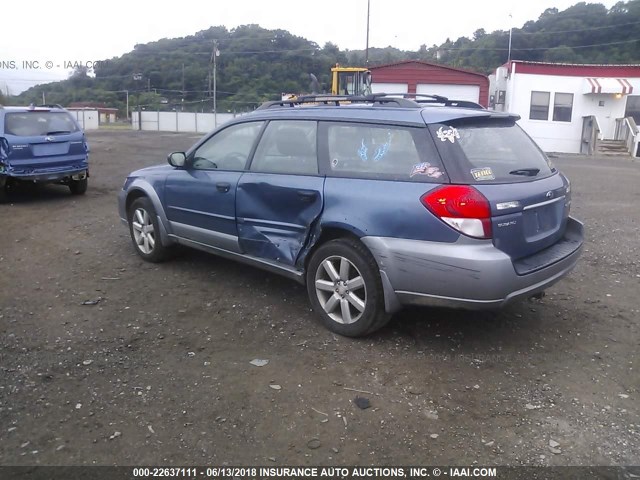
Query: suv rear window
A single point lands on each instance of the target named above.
(490, 151)
(30, 124)
(382, 152)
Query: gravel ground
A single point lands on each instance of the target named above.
(157, 370)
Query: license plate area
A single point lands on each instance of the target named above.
(48, 149)
(542, 220)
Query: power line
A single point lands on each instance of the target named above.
(472, 48)
(222, 53)
(588, 29)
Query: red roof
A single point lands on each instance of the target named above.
(574, 69)
(427, 64)
(418, 72)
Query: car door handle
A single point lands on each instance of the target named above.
(223, 187)
(307, 195)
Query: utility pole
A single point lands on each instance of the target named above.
(183, 87)
(44, 102)
(127, 93)
(210, 76)
(366, 55)
(510, 28)
(216, 52)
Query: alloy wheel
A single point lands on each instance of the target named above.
(143, 231)
(341, 290)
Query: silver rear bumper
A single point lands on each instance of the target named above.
(469, 273)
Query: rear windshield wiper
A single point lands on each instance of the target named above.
(529, 172)
(57, 132)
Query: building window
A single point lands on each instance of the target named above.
(562, 107)
(539, 106)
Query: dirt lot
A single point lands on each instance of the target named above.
(158, 371)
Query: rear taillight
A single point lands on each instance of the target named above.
(461, 207)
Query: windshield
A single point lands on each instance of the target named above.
(35, 123)
(491, 151)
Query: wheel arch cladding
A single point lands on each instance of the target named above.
(326, 233)
(138, 191)
(322, 234)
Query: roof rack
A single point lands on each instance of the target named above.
(337, 100)
(406, 100)
(51, 105)
(447, 102)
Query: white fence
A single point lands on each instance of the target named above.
(87, 119)
(178, 121)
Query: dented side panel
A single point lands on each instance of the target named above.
(275, 214)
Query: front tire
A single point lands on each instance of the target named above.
(145, 234)
(345, 289)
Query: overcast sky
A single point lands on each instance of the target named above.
(74, 31)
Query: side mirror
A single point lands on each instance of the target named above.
(5, 148)
(177, 159)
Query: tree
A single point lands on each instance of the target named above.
(478, 34)
(561, 54)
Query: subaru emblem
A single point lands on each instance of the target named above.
(49, 139)
(549, 194)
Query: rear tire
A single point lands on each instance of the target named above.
(78, 187)
(345, 289)
(4, 197)
(145, 233)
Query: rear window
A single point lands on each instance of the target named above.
(29, 124)
(382, 152)
(490, 151)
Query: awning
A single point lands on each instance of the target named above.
(607, 85)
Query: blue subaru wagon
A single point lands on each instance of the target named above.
(372, 202)
(42, 144)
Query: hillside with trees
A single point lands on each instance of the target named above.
(254, 64)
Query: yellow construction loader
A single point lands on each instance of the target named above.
(350, 80)
(344, 81)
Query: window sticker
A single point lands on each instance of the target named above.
(334, 162)
(450, 134)
(362, 152)
(427, 169)
(480, 174)
(379, 150)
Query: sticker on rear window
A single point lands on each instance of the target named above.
(379, 151)
(426, 169)
(450, 134)
(480, 174)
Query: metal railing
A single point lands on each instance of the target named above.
(590, 134)
(627, 131)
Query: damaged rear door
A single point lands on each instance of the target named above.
(281, 195)
(41, 141)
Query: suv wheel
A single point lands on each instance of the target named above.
(143, 226)
(78, 187)
(344, 286)
(3, 190)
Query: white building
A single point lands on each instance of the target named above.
(566, 107)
